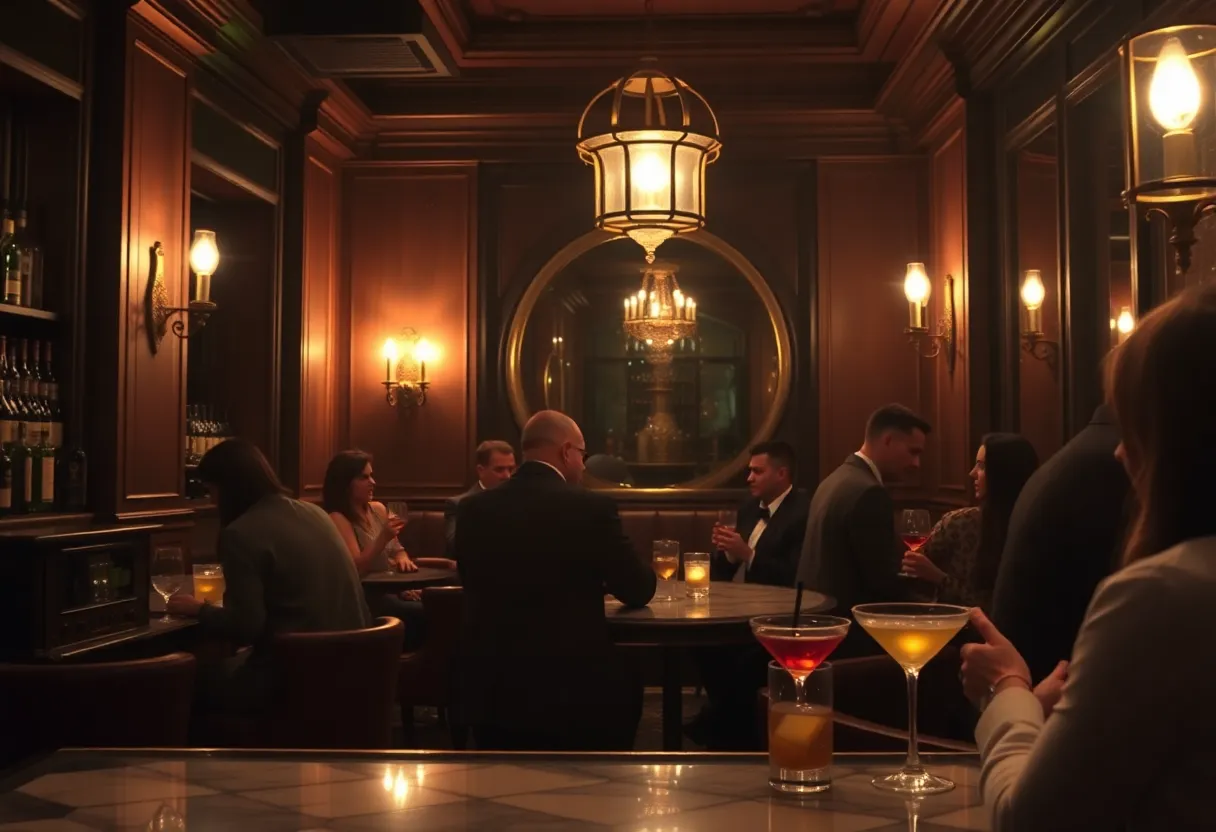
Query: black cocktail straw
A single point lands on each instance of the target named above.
(797, 602)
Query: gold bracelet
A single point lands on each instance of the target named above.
(1018, 676)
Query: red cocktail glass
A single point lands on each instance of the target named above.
(801, 647)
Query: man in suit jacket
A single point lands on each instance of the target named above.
(850, 550)
(766, 543)
(495, 465)
(536, 556)
(763, 548)
(1063, 539)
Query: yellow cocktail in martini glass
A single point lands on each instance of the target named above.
(912, 634)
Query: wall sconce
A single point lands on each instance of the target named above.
(1168, 77)
(204, 259)
(1033, 294)
(1124, 324)
(917, 289)
(405, 375)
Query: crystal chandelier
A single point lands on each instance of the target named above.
(659, 314)
(649, 137)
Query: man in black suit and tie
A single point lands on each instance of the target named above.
(536, 556)
(850, 551)
(495, 465)
(1064, 536)
(763, 548)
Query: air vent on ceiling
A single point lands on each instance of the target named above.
(364, 55)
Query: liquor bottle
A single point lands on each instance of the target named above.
(74, 469)
(10, 262)
(42, 475)
(50, 394)
(16, 395)
(10, 417)
(29, 392)
(29, 255)
(6, 482)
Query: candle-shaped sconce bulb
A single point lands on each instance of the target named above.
(917, 289)
(1033, 294)
(1174, 99)
(389, 351)
(424, 352)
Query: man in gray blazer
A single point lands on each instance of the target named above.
(850, 550)
(495, 465)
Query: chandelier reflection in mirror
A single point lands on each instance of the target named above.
(660, 317)
(649, 138)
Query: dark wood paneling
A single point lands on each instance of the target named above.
(951, 450)
(152, 387)
(870, 227)
(412, 242)
(319, 394)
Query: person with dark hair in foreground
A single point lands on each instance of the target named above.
(850, 551)
(536, 555)
(763, 548)
(961, 556)
(286, 570)
(1120, 737)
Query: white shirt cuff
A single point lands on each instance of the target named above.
(1014, 704)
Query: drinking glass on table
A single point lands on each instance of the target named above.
(666, 562)
(914, 530)
(696, 574)
(912, 634)
(800, 730)
(168, 574)
(209, 583)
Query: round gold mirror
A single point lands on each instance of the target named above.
(672, 369)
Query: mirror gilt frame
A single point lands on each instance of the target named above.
(521, 409)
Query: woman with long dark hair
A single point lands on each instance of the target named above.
(1121, 737)
(962, 554)
(369, 532)
(368, 529)
(285, 570)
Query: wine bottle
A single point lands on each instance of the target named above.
(74, 482)
(10, 262)
(35, 416)
(29, 253)
(6, 482)
(50, 394)
(9, 415)
(42, 476)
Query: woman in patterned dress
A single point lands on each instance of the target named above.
(961, 556)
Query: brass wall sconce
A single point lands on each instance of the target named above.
(1033, 294)
(204, 259)
(405, 381)
(1168, 77)
(917, 289)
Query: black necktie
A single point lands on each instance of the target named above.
(765, 514)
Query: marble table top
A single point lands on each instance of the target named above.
(79, 791)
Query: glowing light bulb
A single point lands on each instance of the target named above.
(1125, 322)
(424, 351)
(389, 351)
(1033, 290)
(1173, 92)
(204, 253)
(916, 284)
(649, 172)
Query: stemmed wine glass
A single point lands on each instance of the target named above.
(168, 574)
(912, 634)
(914, 530)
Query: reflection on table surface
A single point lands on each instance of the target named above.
(727, 601)
(314, 790)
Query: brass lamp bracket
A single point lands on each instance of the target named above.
(1042, 349)
(158, 311)
(408, 384)
(931, 345)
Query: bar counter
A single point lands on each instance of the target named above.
(76, 791)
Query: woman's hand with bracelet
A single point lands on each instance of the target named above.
(993, 666)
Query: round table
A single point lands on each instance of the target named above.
(424, 577)
(720, 618)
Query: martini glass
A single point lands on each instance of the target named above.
(912, 634)
(800, 647)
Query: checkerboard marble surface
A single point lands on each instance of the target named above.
(198, 791)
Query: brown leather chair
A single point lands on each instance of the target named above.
(426, 675)
(332, 690)
(143, 703)
(337, 689)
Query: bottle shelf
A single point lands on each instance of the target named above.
(26, 312)
(45, 518)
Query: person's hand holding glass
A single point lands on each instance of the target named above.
(914, 528)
